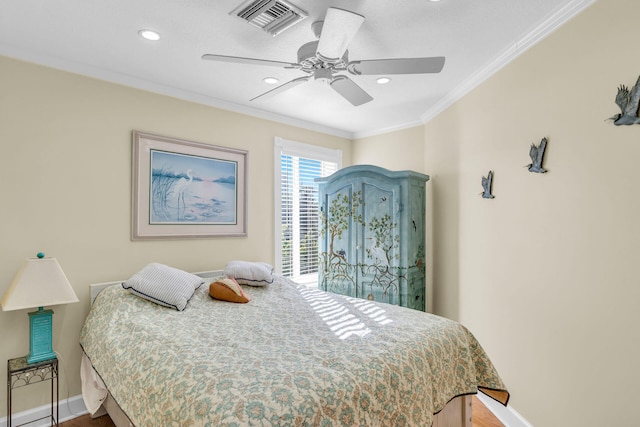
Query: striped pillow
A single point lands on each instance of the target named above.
(164, 285)
(250, 273)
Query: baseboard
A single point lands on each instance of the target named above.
(505, 414)
(74, 407)
(69, 408)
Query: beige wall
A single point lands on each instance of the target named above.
(399, 150)
(65, 181)
(545, 275)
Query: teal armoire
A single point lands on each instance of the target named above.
(372, 235)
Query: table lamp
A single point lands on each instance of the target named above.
(40, 282)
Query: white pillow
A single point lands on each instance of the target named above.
(164, 285)
(250, 273)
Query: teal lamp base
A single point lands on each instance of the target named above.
(41, 331)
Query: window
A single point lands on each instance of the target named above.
(296, 206)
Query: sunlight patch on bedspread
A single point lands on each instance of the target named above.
(344, 321)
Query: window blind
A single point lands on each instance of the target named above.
(299, 165)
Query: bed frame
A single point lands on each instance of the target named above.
(457, 413)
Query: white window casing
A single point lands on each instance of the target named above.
(296, 206)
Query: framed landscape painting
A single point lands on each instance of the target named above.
(185, 189)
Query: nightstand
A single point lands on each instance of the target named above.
(20, 374)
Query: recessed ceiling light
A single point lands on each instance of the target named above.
(270, 80)
(383, 80)
(149, 35)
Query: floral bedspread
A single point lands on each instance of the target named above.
(292, 356)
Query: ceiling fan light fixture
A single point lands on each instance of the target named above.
(149, 35)
(383, 80)
(271, 80)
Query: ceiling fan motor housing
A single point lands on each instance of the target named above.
(311, 61)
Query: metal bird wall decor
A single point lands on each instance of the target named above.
(486, 186)
(536, 154)
(627, 100)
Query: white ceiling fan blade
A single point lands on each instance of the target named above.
(350, 90)
(291, 84)
(397, 66)
(250, 61)
(338, 29)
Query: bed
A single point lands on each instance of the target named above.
(293, 355)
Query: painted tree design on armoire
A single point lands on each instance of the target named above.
(372, 235)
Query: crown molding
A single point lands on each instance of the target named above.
(161, 89)
(388, 129)
(547, 26)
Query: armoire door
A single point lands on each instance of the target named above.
(338, 267)
(378, 242)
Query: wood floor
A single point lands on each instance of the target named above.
(87, 421)
(482, 417)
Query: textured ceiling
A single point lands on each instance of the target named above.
(100, 38)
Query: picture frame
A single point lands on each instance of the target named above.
(184, 189)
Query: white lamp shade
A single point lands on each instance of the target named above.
(39, 283)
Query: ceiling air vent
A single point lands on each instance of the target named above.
(272, 16)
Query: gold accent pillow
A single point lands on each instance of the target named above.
(227, 289)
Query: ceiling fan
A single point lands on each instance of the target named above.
(325, 58)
